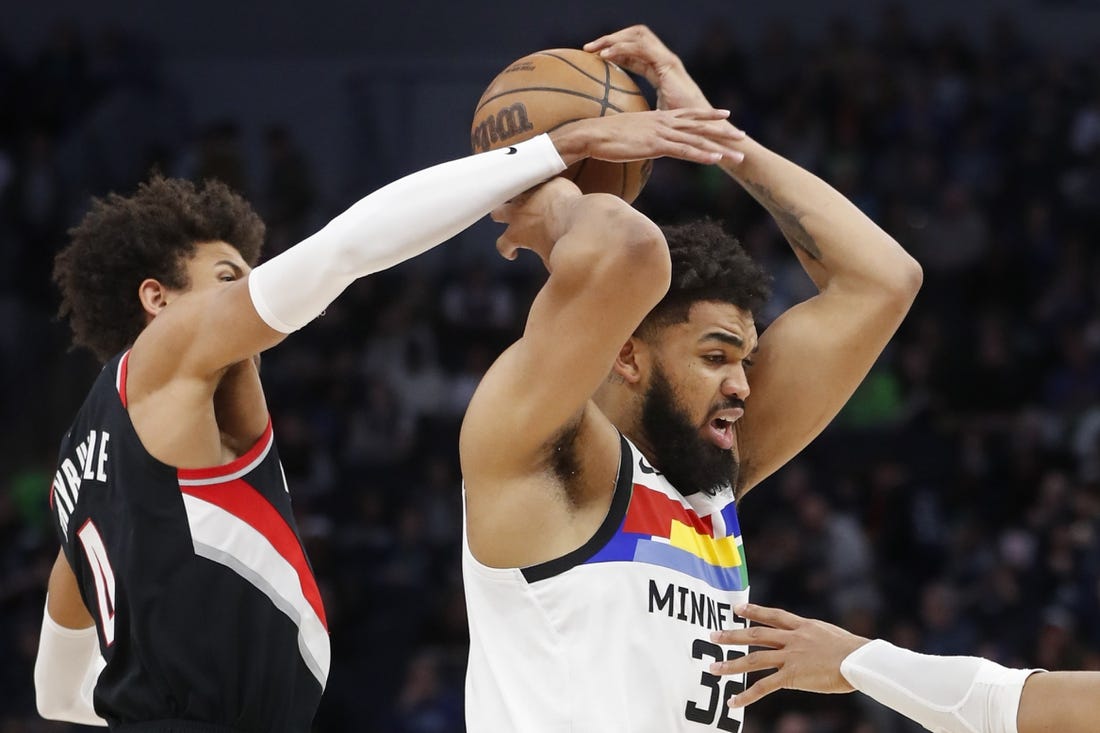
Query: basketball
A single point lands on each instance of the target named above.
(547, 89)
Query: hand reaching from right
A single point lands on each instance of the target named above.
(698, 135)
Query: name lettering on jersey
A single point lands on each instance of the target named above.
(689, 606)
(90, 464)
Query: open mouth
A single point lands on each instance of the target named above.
(720, 430)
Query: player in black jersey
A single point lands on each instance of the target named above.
(181, 599)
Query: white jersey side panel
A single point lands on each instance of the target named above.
(615, 635)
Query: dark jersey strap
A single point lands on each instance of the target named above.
(620, 502)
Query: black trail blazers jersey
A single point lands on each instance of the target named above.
(206, 606)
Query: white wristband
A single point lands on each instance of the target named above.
(393, 224)
(944, 694)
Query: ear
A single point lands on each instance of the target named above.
(153, 296)
(632, 360)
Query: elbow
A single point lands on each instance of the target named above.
(645, 254)
(46, 699)
(52, 699)
(902, 280)
(637, 252)
(910, 278)
(614, 248)
(58, 705)
(50, 707)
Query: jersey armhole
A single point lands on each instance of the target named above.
(616, 514)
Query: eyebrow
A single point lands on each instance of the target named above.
(236, 268)
(728, 338)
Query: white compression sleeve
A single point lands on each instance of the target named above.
(393, 224)
(944, 694)
(66, 671)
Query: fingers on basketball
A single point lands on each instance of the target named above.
(545, 90)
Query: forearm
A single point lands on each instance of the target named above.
(65, 673)
(393, 224)
(1060, 702)
(944, 694)
(831, 236)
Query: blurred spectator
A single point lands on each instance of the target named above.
(289, 193)
(38, 201)
(946, 631)
(428, 703)
(219, 156)
(58, 81)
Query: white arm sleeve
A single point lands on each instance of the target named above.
(393, 224)
(944, 694)
(66, 671)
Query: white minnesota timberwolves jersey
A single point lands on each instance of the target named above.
(614, 636)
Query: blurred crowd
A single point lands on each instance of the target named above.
(953, 506)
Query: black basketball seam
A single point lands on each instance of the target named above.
(582, 72)
(605, 104)
(636, 93)
(603, 111)
(606, 88)
(567, 122)
(589, 97)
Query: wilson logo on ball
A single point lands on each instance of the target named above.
(505, 124)
(546, 90)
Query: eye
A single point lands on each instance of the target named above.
(746, 362)
(714, 358)
(227, 277)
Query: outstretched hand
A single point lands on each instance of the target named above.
(698, 135)
(805, 653)
(638, 49)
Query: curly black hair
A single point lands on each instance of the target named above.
(123, 240)
(707, 264)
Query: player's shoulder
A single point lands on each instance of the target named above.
(163, 351)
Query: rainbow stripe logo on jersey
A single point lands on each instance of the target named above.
(660, 530)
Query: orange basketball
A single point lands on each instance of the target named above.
(547, 89)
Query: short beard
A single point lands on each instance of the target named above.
(688, 461)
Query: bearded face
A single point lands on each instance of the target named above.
(688, 459)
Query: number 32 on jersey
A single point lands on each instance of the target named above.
(712, 706)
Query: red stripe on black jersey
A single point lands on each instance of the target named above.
(234, 467)
(248, 505)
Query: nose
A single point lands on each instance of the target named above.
(736, 383)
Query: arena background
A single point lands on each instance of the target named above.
(953, 507)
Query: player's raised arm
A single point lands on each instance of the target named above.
(209, 330)
(202, 331)
(609, 265)
(814, 356)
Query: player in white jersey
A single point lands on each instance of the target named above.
(603, 451)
